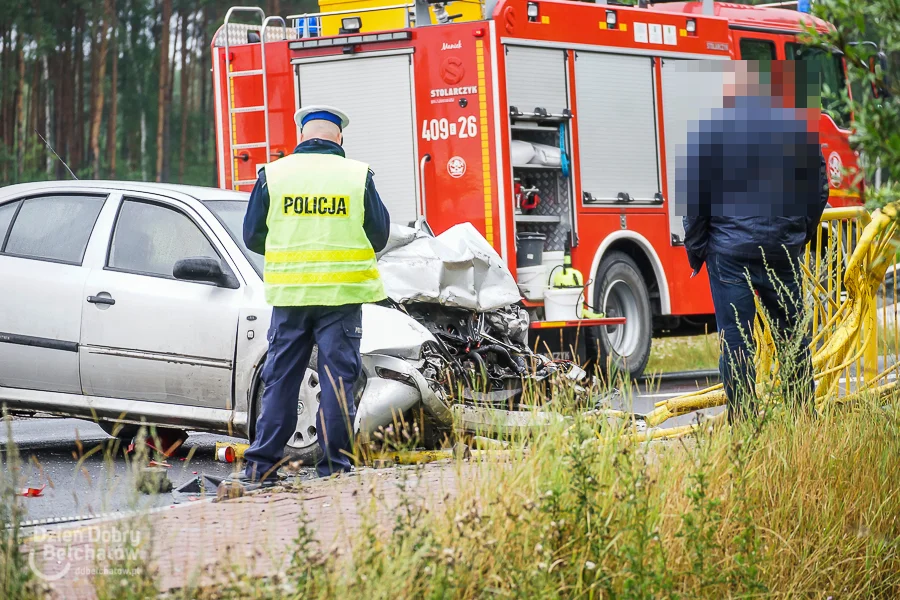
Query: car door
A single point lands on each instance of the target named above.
(42, 244)
(146, 335)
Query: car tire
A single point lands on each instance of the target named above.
(122, 431)
(620, 291)
(304, 444)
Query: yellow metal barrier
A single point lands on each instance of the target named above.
(843, 281)
(826, 265)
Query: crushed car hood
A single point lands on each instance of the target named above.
(458, 268)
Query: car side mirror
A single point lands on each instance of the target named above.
(205, 269)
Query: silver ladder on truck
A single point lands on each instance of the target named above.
(234, 110)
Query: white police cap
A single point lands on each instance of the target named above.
(321, 112)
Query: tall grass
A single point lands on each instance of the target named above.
(793, 506)
(16, 579)
(789, 506)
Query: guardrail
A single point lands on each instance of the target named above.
(825, 270)
(853, 252)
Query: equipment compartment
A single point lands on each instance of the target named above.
(553, 214)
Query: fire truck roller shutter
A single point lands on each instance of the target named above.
(536, 78)
(376, 93)
(691, 90)
(617, 126)
(618, 149)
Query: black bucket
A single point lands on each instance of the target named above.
(530, 249)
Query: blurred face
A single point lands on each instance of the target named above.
(729, 81)
(737, 79)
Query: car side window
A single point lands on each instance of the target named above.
(55, 228)
(7, 212)
(150, 238)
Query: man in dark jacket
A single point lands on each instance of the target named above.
(755, 185)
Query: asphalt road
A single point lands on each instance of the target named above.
(84, 477)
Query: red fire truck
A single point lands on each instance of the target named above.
(578, 108)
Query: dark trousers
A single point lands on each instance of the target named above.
(733, 297)
(292, 334)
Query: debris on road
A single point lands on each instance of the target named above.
(229, 492)
(153, 480)
(202, 486)
(31, 492)
(230, 451)
(225, 454)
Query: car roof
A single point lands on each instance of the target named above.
(194, 191)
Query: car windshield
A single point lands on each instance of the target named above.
(231, 214)
(831, 66)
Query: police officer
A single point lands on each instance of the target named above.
(319, 221)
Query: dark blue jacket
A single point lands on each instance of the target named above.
(376, 223)
(753, 181)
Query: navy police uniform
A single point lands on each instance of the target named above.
(295, 329)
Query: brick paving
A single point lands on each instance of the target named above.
(202, 542)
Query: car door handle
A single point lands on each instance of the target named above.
(101, 300)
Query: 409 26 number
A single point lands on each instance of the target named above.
(442, 129)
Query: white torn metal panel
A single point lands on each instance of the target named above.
(457, 268)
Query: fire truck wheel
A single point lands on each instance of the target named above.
(620, 291)
(304, 444)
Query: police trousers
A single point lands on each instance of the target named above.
(294, 330)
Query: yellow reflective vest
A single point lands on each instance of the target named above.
(317, 253)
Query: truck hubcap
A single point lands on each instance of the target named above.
(620, 301)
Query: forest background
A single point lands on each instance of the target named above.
(121, 89)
